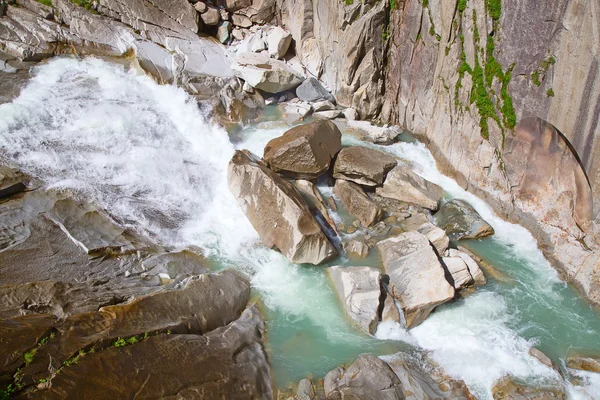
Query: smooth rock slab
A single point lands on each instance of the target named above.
(363, 165)
(305, 151)
(357, 203)
(404, 185)
(417, 279)
(277, 211)
(359, 291)
(461, 221)
(478, 278)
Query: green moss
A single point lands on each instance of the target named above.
(535, 78)
(432, 30)
(438, 38)
(494, 8)
(462, 5)
(28, 357)
(425, 3)
(508, 110)
(550, 93)
(348, 2)
(45, 2)
(392, 4)
(87, 4)
(120, 343)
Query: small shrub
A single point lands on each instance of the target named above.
(550, 93)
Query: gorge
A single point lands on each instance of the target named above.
(131, 264)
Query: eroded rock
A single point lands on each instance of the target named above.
(508, 388)
(420, 223)
(357, 249)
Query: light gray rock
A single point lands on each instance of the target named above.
(367, 378)
(363, 165)
(404, 185)
(277, 211)
(241, 20)
(264, 73)
(474, 269)
(329, 114)
(324, 105)
(278, 42)
(461, 221)
(357, 203)
(295, 112)
(224, 14)
(420, 223)
(417, 278)
(359, 290)
(305, 151)
(374, 134)
(311, 90)
(201, 7)
(543, 358)
(357, 249)
(306, 390)
(211, 16)
(224, 31)
(254, 43)
(350, 114)
(40, 9)
(459, 271)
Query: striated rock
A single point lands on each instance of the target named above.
(363, 165)
(585, 363)
(367, 378)
(368, 132)
(359, 290)
(264, 73)
(417, 278)
(240, 105)
(12, 181)
(241, 20)
(357, 203)
(357, 249)
(211, 16)
(40, 9)
(404, 185)
(459, 271)
(305, 151)
(507, 388)
(277, 211)
(420, 223)
(278, 42)
(311, 90)
(461, 221)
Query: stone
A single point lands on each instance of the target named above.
(315, 201)
(350, 114)
(12, 181)
(324, 105)
(311, 90)
(368, 132)
(544, 359)
(254, 43)
(277, 211)
(461, 221)
(363, 165)
(479, 278)
(306, 390)
(241, 20)
(420, 223)
(357, 249)
(211, 16)
(238, 34)
(508, 388)
(224, 31)
(459, 271)
(201, 7)
(278, 42)
(294, 113)
(42, 10)
(264, 73)
(359, 290)
(305, 151)
(585, 363)
(404, 185)
(357, 203)
(241, 104)
(234, 5)
(367, 378)
(329, 114)
(417, 279)
(224, 14)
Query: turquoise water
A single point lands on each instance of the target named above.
(148, 155)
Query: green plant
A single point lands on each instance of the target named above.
(120, 343)
(462, 5)
(535, 78)
(7, 393)
(45, 2)
(392, 4)
(348, 2)
(425, 3)
(550, 93)
(29, 356)
(495, 8)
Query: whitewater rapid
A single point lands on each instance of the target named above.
(148, 155)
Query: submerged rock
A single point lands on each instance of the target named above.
(417, 279)
(584, 363)
(508, 389)
(305, 151)
(367, 378)
(357, 203)
(404, 185)
(358, 249)
(461, 221)
(277, 211)
(363, 165)
(359, 291)
(544, 359)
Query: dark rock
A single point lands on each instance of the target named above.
(311, 90)
(460, 221)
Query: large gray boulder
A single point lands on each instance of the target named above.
(367, 378)
(404, 185)
(264, 73)
(363, 165)
(278, 42)
(357, 203)
(305, 151)
(311, 90)
(359, 291)
(417, 279)
(461, 221)
(277, 211)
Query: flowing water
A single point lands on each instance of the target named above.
(147, 154)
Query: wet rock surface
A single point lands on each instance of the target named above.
(460, 221)
(508, 388)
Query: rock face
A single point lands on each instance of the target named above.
(359, 291)
(363, 165)
(305, 151)
(417, 278)
(357, 203)
(404, 185)
(277, 211)
(367, 378)
(460, 221)
(264, 73)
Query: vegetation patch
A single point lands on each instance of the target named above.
(45, 2)
(550, 93)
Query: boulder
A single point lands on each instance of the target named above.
(357, 249)
(234, 5)
(350, 114)
(241, 20)
(368, 132)
(459, 271)
(211, 16)
(478, 278)
(12, 181)
(328, 114)
(359, 291)
(224, 31)
(461, 221)
(305, 151)
(311, 90)
(420, 223)
(417, 279)
(200, 7)
(254, 43)
(324, 105)
(277, 211)
(264, 73)
(240, 105)
(585, 363)
(544, 359)
(294, 113)
(306, 390)
(404, 185)
(508, 388)
(278, 42)
(367, 378)
(363, 165)
(357, 203)
(315, 201)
